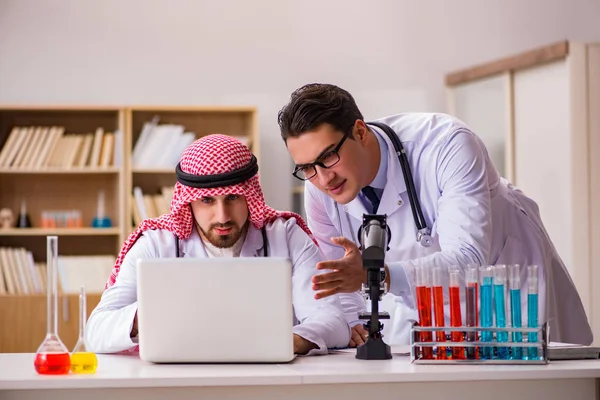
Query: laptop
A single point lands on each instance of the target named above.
(215, 310)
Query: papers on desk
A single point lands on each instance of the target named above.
(401, 350)
(568, 351)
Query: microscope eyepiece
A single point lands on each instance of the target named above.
(374, 232)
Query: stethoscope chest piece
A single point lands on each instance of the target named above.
(424, 237)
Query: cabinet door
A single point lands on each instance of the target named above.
(594, 121)
(484, 105)
(23, 321)
(543, 157)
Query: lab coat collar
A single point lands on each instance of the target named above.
(194, 247)
(253, 245)
(381, 177)
(390, 200)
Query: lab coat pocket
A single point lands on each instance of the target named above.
(511, 253)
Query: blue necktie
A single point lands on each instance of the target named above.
(372, 196)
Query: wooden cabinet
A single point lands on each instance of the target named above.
(24, 321)
(539, 112)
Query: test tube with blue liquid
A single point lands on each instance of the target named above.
(516, 320)
(500, 307)
(486, 280)
(471, 307)
(532, 309)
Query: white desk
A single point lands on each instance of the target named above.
(339, 376)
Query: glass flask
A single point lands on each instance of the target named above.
(52, 357)
(82, 360)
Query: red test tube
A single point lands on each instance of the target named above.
(458, 353)
(438, 307)
(423, 287)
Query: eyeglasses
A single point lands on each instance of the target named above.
(305, 172)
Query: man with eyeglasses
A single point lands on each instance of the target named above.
(446, 204)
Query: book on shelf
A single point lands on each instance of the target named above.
(41, 147)
(91, 271)
(150, 205)
(20, 274)
(160, 145)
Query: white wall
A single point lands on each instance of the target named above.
(392, 54)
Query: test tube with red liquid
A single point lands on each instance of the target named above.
(423, 286)
(458, 353)
(52, 357)
(438, 307)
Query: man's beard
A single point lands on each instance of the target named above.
(223, 241)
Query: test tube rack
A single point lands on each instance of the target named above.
(416, 345)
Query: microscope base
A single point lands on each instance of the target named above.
(374, 349)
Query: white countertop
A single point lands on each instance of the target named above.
(128, 371)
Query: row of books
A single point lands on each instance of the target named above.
(161, 145)
(145, 205)
(20, 274)
(40, 147)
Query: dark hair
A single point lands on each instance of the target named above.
(315, 104)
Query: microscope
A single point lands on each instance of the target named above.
(374, 236)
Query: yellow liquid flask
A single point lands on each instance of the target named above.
(82, 361)
(52, 357)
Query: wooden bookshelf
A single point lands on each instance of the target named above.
(60, 171)
(61, 186)
(60, 231)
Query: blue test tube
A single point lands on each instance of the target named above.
(471, 286)
(500, 306)
(514, 285)
(532, 309)
(486, 280)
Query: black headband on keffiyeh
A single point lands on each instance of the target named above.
(218, 180)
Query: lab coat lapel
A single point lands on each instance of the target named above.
(356, 209)
(253, 243)
(391, 200)
(192, 247)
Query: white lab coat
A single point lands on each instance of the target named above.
(321, 321)
(475, 216)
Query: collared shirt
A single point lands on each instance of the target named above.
(378, 183)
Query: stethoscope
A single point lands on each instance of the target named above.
(264, 236)
(423, 232)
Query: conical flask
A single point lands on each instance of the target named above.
(82, 360)
(52, 357)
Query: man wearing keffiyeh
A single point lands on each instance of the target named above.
(218, 210)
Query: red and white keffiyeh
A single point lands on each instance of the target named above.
(210, 155)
